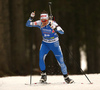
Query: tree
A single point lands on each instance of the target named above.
(4, 37)
(17, 36)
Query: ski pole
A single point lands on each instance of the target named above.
(76, 62)
(51, 16)
(31, 58)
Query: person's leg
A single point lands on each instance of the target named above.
(59, 56)
(42, 54)
(56, 49)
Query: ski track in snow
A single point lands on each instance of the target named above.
(57, 83)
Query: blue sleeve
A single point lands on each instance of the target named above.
(28, 23)
(61, 32)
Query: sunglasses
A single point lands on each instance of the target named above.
(43, 20)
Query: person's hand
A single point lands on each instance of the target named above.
(52, 26)
(32, 14)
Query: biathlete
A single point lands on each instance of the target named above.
(49, 29)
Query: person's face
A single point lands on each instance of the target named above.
(44, 21)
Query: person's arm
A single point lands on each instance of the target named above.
(30, 22)
(59, 30)
(56, 27)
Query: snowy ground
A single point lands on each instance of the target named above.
(18, 83)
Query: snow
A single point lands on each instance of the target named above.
(57, 83)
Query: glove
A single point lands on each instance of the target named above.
(52, 26)
(58, 28)
(32, 14)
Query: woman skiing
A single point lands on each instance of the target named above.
(49, 29)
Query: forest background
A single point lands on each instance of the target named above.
(19, 45)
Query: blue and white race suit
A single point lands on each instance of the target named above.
(50, 42)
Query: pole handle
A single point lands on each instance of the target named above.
(49, 3)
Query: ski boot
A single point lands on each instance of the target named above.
(43, 77)
(68, 80)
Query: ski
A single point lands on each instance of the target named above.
(47, 83)
(81, 83)
(55, 83)
(38, 83)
